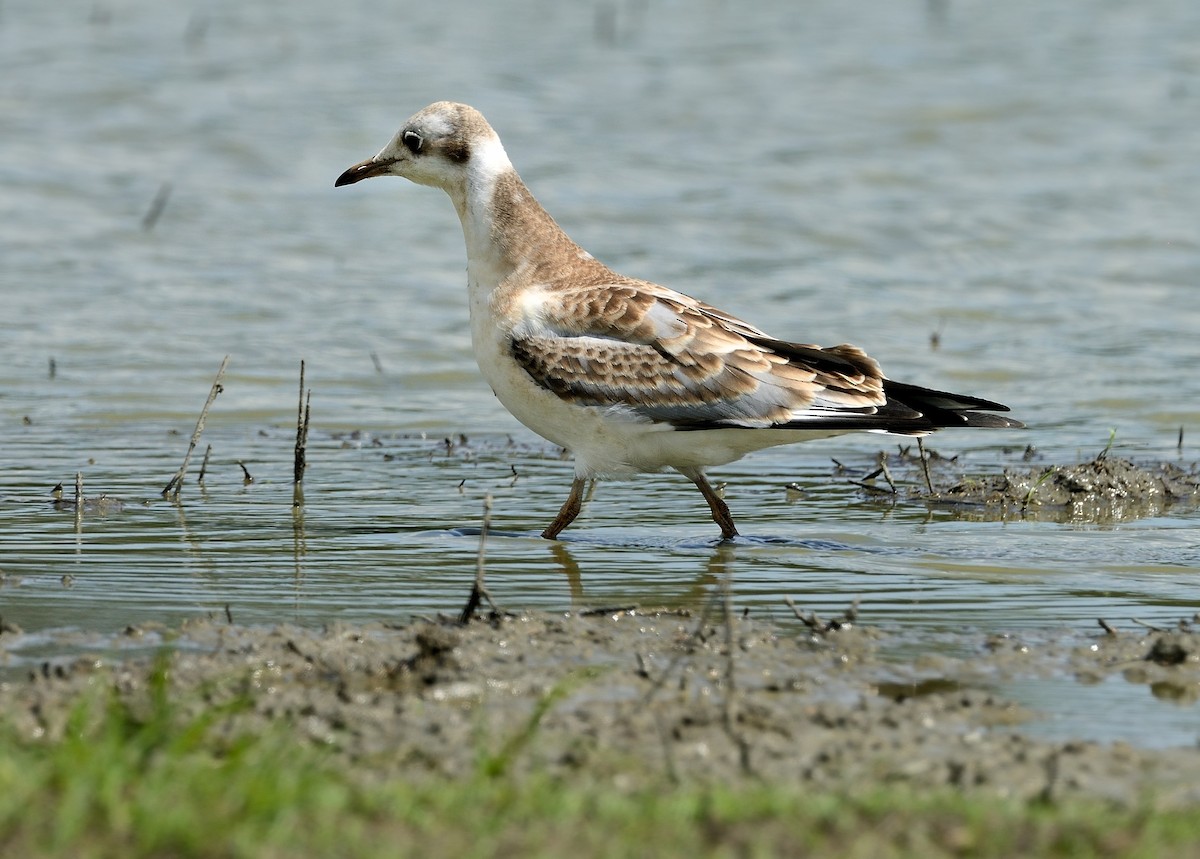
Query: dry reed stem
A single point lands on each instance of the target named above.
(924, 464)
(204, 464)
(172, 488)
(302, 419)
(479, 591)
(78, 501)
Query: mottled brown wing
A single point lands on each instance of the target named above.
(670, 358)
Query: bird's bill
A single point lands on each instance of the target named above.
(363, 170)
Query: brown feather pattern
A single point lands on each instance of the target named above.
(621, 342)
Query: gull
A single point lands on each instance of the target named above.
(628, 376)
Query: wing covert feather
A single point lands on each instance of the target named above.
(670, 358)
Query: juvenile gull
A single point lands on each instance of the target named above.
(627, 375)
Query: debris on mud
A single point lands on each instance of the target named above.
(1098, 491)
(1104, 489)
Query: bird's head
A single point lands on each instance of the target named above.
(438, 146)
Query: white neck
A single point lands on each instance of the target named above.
(486, 265)
(509, 234)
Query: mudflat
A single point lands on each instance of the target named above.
(635, 697)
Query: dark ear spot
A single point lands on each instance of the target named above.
(458, 152)
(413, 141)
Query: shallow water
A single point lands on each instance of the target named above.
(1019, 181)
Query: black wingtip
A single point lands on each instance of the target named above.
(944, 409)
(990, 421)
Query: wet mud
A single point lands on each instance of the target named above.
(635, 699)
(1106, 489)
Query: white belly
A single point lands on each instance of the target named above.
(601, 440)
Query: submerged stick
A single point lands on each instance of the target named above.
(176, 482)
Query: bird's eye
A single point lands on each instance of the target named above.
(413, 141)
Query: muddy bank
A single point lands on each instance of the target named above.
(1102, 490)
(642, 698)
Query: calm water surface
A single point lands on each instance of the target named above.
(1021, 180)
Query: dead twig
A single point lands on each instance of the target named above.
(887, 475)
(1148, 626)
(924, 464)
(204, 464)
(610, 609)
(820, 627)
(302, 419)
(78, 501)
(176, 482)
(300, 459)
(1104, 626)
(479, 591)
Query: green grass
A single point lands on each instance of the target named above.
(143, 781)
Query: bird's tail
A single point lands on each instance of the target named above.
(942, 409)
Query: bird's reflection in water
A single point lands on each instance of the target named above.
(717, 570)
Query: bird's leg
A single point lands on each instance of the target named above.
(569, 511)
(720, 510)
